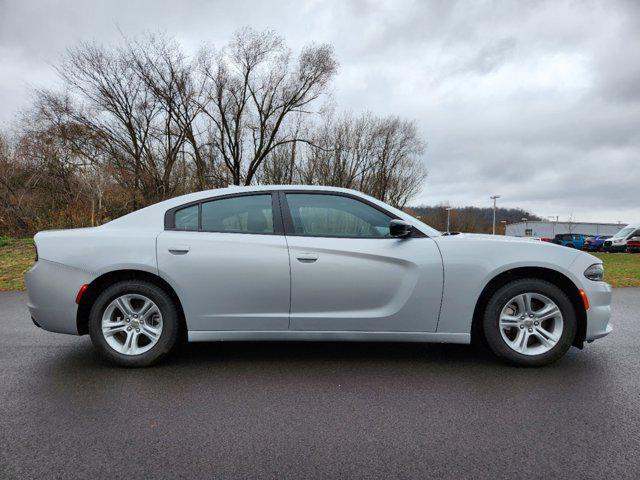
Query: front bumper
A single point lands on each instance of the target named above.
(52, 289)
(599, 313)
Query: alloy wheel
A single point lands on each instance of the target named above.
(531, 323)
(132, 324)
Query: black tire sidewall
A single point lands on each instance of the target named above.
(170, 324)
(499, 300)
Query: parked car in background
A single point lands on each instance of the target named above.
(547, 239)
(309, 263)
(633, 245)
(618, 243)
(571, 240)
(595, 243)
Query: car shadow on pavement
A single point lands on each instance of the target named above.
(212, 354)
(269, 352)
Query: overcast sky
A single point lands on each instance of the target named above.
(536, 101)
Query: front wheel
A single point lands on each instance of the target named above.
(133, 323)
(529, 322)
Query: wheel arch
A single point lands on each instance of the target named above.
(103, 281)
(552, 276)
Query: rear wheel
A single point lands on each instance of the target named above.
(133, 323)
(529, 322)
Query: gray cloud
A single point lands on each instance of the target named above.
(536, 101)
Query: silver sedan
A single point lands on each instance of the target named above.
(309, 263)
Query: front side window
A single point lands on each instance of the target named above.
(336, 216)
(186, 218)
(247, 214)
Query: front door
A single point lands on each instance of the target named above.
(228, 262)
(348, 274)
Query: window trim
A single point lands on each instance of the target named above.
(278, 228)
(287, 219)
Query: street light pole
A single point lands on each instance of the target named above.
(448, 215)
(494, 198)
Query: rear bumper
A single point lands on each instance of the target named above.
(614, 248)
(52, 290)
(599, 313)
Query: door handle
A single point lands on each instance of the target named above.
(179, 250)
(307, 257)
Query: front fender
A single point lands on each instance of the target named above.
(471, 262)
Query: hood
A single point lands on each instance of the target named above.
(491, 238)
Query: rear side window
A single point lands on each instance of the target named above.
(187, 218)
(336, 216)
(248, 214)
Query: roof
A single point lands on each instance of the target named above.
(153, 215)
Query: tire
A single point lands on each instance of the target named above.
(156, 337)
(539, 291)
(571, 245)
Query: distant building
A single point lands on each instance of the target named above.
(551, 229)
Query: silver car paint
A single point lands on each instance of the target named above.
(373, 284)
(228, 281)
(444, 274)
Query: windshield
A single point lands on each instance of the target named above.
(624, 232)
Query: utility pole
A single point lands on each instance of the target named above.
(552, 217)
(494, 198)
(448, 215)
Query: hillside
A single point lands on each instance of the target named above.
(470, 219)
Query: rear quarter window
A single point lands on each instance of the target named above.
(186, 218)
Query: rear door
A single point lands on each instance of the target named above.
(227, 259)
(348, 274)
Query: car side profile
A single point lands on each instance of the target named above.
(309, 263)
(594, 243)
(618, 242)
(571, 240)
(633, 245)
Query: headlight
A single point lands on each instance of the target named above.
(595, 272)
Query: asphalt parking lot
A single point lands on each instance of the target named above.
(313, 410)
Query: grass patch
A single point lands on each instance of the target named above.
(621, 269)
(16, 257)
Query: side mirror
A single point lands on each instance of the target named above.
(400, 228)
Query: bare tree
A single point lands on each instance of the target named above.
(253, 89)
(178, 91)
(142, 122)
(378, 156)
(123, 116)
